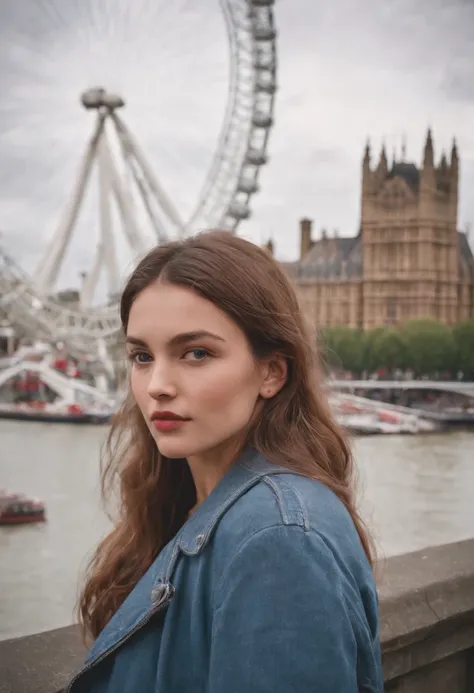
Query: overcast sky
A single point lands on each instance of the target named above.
(347, 70)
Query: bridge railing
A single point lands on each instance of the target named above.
(458, 387)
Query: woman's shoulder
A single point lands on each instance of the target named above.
(284, 504)
(292, 584)
(288, 498)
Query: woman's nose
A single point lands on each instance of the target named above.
(161, 383)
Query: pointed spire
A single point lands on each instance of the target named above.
(443, 165)
(383, 165)
(367, 151)
(454, 153)
(428, 158)
(454, 169)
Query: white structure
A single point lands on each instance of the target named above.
(112, 187)
(224, 200)
(38, 360)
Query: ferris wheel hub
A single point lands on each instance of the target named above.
(99, 98)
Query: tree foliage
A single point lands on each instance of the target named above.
(389, 349)
(463, 334)
(343, 347)
(426, 346)
(430, 346)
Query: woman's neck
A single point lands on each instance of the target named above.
(209, 468)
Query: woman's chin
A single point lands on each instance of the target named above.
(173, 449)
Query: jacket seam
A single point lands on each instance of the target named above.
(304, 514)
(279, 489)
(279, 498)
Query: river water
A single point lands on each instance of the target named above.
(415, 492)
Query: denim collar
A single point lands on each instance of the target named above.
(244, 473)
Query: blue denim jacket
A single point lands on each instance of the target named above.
(266, 588)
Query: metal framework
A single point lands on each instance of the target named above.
(224, 201)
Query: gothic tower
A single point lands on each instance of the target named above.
(409, 238)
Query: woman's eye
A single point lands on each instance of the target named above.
(140, 357)
(196, 355)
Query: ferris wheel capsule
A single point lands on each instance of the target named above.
(239, 210)
(249, 186)
(256, 157)
(264, 33)
(262, 120)
(265, 85)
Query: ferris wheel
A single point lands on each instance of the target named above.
(131, 190)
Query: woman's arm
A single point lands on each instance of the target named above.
(283, 622)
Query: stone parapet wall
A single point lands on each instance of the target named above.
(426, 620)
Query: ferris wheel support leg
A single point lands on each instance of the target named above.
(106, 255)
(160, 232)
(124, 201)
(131, 146)
(108, 242)
(50, 264)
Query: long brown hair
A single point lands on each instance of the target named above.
(296, 428)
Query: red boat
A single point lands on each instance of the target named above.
(16, 509)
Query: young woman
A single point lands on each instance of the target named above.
(238, 563)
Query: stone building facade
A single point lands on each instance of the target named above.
(409, 260)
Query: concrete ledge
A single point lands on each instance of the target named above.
(41, 663)
(426, 620)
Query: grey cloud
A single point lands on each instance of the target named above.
(459, 87)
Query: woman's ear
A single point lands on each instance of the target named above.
(275, 372)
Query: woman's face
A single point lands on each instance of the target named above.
(190, 360)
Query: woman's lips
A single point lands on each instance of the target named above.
(168, 424)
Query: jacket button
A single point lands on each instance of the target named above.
(162, 593)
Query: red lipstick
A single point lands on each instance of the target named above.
(167, 420)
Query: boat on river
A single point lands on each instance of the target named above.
(365, 417)
(16, 509)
